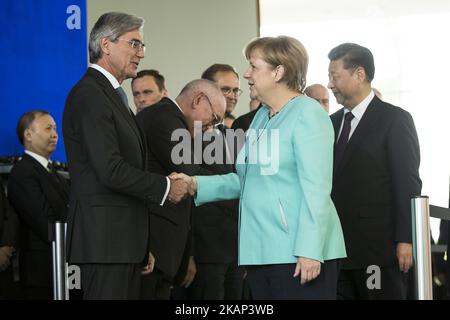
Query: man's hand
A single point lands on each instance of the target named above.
(191, 181)
(190, 273)
(308, 269)
(150, 265)
(178, 190)
(5, 257)
(404, 256)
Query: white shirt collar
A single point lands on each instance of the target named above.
(359, 110)
(107, 74)
(42, 160)
(176, 103)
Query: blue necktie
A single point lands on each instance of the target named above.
(343, 139)
(123, 97)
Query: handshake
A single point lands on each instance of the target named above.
(181, 186)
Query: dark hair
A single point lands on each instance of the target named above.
(25, 122)
(353, 55)
(159, 78)
(210, 73)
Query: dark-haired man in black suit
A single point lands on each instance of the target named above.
(376, 173)
(40, 196)
(108, 225)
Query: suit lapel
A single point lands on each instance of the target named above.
(173, 108)
(117, 103)
(336, 119)
(126, 115)
(59, 186)
(365, 126)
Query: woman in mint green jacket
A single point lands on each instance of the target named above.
(290, 237)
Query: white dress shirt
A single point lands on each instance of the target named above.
(42, 160)
(358, 113)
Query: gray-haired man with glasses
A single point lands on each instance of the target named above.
(108, 223)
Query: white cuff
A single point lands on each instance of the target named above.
(167, 192)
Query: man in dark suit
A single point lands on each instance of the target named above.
(8, 243)
(198, 107)
(243, 122)
(215, 224)
(375, 176)
(108, 225)
(40, 196)
(215, 237)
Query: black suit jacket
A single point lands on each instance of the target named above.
(215, 224)
(374, 183)
(243, 122)
(39, 199)
(9, 224)
(110, 184)
(169, 224)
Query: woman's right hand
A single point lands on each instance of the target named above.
(308, 269)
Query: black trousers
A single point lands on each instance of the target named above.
(276, 282)
(353, 284)
(218, 281)
(155, 286)
(111, 281)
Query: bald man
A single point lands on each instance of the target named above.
(200, 105)
(319, 93)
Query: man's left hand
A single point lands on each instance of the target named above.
(404, 256)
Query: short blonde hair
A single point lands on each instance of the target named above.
(285, 51)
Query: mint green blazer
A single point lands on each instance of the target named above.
(283, 180)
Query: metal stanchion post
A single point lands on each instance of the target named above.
(60, 289)
(422, 247)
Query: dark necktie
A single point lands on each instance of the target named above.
(123, 97)
(343, 139)
(58, 179)
(52, 170)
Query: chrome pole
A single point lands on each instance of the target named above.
(420, 208)
(60, 289)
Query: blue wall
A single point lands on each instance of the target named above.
(43, 53)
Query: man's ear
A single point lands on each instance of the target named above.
(105, 45)
(27, 135)
(279, 72)
(361, 74)
(196, 100)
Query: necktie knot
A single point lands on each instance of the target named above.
(122, 95)
(221, 128)
(349, 116)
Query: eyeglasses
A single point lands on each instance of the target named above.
(217, 119)
(135, 44)
(227, 90)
